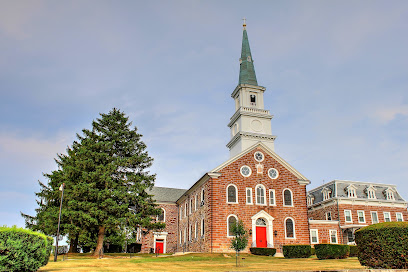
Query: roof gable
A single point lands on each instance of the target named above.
(301, 179)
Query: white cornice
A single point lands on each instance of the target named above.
(240, 86)
(252, 135)
(253, 112)
(329, 222)
(358, 201)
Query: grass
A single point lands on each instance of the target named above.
(194, 262)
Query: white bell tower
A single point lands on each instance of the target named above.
(251, 123)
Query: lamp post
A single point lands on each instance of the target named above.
(59, 221)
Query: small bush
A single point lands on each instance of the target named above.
(353, 251)
(331, 251)
(23, 250)
(297, 251)
(266, 251)
(383, 245)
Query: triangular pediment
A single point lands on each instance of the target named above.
(301, 179)
(263, 214)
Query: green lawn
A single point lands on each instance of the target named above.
(195, 262)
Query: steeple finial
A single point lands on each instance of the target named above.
(246, 70)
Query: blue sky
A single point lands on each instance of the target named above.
(336, 74)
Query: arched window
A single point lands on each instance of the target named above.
(289, 228)
(287, 197)
(202, 198)
(260, 194)
(232, 194)
(162, 217)
(232, 219)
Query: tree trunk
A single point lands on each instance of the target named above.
(99, 245)
(73, 246)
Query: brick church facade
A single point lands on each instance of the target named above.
(256, 186)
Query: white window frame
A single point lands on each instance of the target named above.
(164, 216)
(345, 216)
(250, 171)
(181, 211)
(191, 205)
(358, 217)
(294, 229)
(402, 217)
(181, 236)
(351, 191)
(190, 231)
(311, 236)
(185, 235)
(310, 200)
(330, 233)
(372, 220)
(236, 193)
(236, 218)
(256, 195)
(274, 197)
(196, 202)
(202, 227)
(327, 216)
(196, 230)
(185, 209)
(202, 196)
(250, 196)
(371, 192)
(389, 216)
(291, 197)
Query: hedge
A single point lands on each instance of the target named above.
(331, 251)
(297, 251)
(353, 251)
(383, 245)
(23, 250)
(266, 251)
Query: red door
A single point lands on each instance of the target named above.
(159, 246)
(261, 237)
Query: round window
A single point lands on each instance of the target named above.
(245, 171)
(273, 173)
(259, 156)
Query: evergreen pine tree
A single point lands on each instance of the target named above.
(106, 176)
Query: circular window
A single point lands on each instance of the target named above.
(259, 156)
(273, 173)
(246, 171)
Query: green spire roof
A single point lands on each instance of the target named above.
(246, 70)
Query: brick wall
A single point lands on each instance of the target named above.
(231, 175)
(171, 220)
(323, 229)
(319, 213)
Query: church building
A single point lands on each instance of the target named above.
(260, 188)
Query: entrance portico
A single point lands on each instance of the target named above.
(262, 230)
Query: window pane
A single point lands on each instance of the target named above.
(288, 198)
(272, 197)
(289, 228)
(231, 221)
(232, 194)
(161, 216)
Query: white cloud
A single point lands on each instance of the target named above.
(387, 114)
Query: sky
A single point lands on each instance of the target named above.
(335, 72)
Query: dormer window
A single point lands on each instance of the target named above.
(327, 193)
(252, 99)
(351, 191)
(389, 194)
(310, 200)
(370, 190)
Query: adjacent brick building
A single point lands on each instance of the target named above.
(353, 205)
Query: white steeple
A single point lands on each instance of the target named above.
(251, 123)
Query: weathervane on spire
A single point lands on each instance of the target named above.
(244, 25)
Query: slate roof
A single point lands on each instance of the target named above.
(164, 194)
(341, 186)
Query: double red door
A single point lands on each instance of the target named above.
(159, 246)
(261, 237)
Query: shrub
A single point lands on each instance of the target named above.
(297, 251)
(23, 250)
(383, 245)
(331, 251)
(353, 251)
(266, 251)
